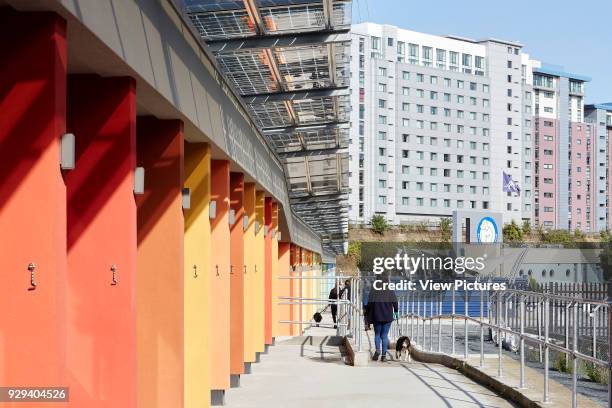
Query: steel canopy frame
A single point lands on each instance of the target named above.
(289, 60)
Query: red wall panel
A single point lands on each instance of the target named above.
(32, 198)
(101, 335)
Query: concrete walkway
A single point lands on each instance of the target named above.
(310, 371)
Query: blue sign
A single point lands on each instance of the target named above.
(487, 231)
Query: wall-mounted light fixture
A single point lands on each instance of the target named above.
(232, 216)
(67, 151)
(186, 196)
(278, 235)
(245, 222)
(257, 226)
(266, 230)
(212, 210)
(139, 177)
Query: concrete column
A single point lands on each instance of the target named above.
(32, 198)
(101, 226)
(237, 278)
(196, 283)
(160, 267)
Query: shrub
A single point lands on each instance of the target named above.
(562, 365)
(578, 235)
(604, 235)
(379, 224)
(445, 228)
(422, 227)
(557, 237)
(512, 233)
(526, 228)
(596, 373)
(354, 251)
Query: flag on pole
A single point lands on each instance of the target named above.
(509, 185)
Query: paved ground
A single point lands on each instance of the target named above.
(310, 371)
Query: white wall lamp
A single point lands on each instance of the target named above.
(257, 226)
(266, 230)
(212, 210)
(139, 180)
(186, 198)
(278, 235)
(232, 216)
(245, 222)
(67, 151)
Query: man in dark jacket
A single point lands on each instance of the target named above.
(382, 309)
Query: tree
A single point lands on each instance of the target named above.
(526, 228)
(578, 235)
(512, 233)
(379, 224)
(445, 228)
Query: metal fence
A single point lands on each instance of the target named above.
(568, 322)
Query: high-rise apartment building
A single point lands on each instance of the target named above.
(438, 124)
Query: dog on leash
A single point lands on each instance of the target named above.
(402, 349)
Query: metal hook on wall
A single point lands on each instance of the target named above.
(195, 271)
(114, 270)
(32, 268)
(231, 269)
(217, 268)
(245, 269)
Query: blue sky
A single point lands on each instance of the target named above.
(557, 32)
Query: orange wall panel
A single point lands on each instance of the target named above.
(220, 282)
(237, 275)
(159, 273)
(260, 273)
(275, 280)
(250, 258)
(101, 331)
(268, 271)
(32, 199)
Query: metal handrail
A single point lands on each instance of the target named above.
(498, 301)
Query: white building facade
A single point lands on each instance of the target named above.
(435, 123)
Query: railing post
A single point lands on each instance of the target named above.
(574, 359)
(440, 322)
(431, 309)
(481, 328)
(412, 318)
(418, 316)
(466, 353)
(499, 335)
(609, 306)
(546, 335)
(522, 342)
(453, 321)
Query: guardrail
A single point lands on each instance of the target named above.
(505, 313)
